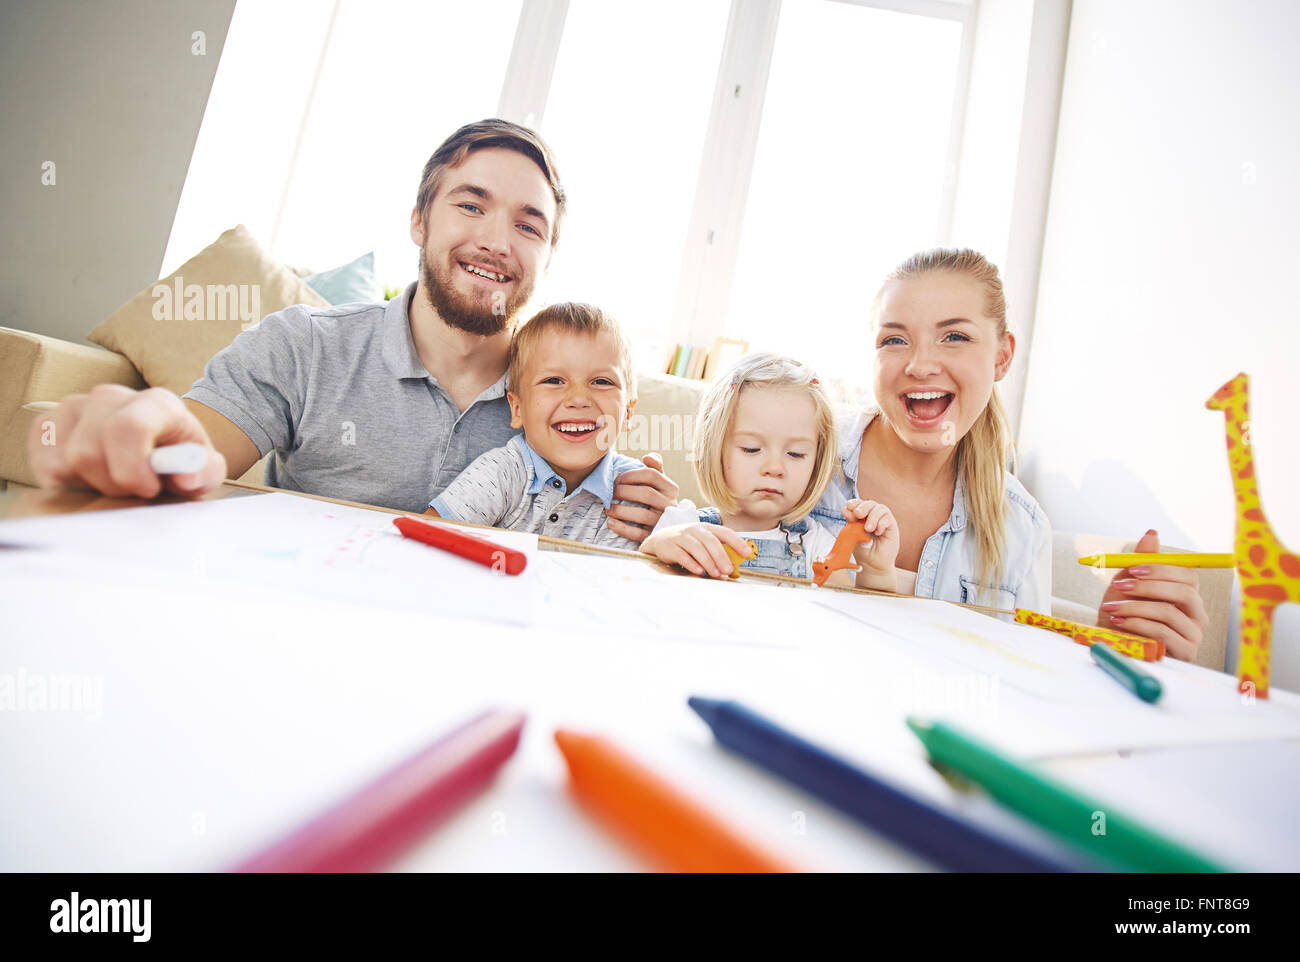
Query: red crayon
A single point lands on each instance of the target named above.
(366, 830)
(485, 552)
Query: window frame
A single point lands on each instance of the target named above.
(708, 261)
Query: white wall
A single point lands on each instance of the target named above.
(1169, 265)
(113, 95)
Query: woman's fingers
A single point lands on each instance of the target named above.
(1182, 593)
(1177, 645)
(1161, 611)
(1161, 602)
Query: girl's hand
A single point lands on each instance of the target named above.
(1158, 601)
(876, 556)
(697, 548)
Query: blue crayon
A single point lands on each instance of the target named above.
(951, 842)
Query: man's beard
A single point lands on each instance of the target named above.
(485, 320)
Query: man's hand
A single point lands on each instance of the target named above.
(647, 486)
(1157, 601)
(102, 441)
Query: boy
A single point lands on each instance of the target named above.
(572, 389)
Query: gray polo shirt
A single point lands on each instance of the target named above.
(340, 395)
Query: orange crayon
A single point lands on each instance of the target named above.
(652, 815)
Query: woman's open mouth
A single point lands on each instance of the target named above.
(925, 408)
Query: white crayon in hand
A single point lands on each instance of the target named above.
(178, 458)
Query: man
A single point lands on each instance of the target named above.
(383, 404)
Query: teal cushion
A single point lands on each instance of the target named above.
(350, 284)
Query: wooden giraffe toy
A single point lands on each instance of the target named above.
(1269, 573)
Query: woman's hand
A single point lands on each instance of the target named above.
(1158, 601)
(878, 554)
(697, 548)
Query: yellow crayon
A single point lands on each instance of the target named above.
(1180, 560)
(1135, 646)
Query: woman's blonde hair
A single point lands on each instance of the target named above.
(984, 452)
(718, 410)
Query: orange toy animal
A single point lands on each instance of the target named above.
(841, 556)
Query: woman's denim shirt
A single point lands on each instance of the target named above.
(947, 566)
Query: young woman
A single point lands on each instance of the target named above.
(936, 450)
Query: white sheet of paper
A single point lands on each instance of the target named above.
(224, 705)
(296, 544)
(626, 597)
(1037, 693)
(224, 719)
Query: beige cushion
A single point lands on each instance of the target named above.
(664, 422)
(170, 349)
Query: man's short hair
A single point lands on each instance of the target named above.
(483, 135)
(578, 319)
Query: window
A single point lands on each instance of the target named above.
(321, 119)
(740, 168)
(397, 78)
(626, 115)
(848, 176)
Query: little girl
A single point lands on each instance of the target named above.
(765, 450)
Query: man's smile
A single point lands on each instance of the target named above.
(483, 273)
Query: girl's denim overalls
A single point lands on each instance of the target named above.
(788, 557)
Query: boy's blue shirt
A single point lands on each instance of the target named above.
(599, 482)
(515, 487)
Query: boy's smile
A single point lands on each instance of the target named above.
(572, 402)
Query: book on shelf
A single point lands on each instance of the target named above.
(696, 362)
(683, 359)
(699, 358)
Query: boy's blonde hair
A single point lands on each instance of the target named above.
(718, 411)
(574, 317)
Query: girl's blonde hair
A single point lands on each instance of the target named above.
(718, 410)
(984, 453)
